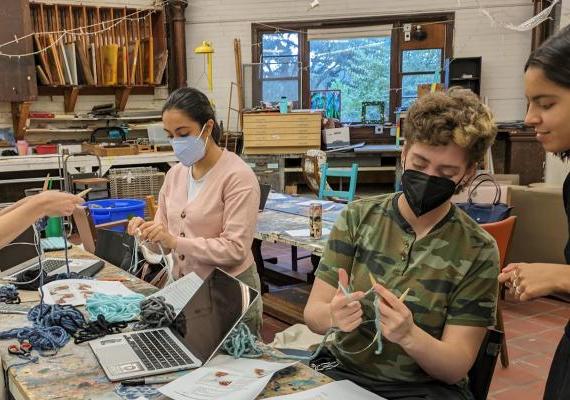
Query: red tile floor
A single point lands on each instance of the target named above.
(533, 331)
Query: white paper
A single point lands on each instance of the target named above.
(224, 378)
(75, 292)
(338, 390)
(276, 196)
(179, 292)
(308, 203)
(305, 232)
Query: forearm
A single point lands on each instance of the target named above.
(13, 223)
(12, 207)
(318, 316)
(442, 361)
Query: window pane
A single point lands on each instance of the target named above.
(273, 90)
(410, 83)
(421, 60)
(359, 68)
(280, 67)
(407, 102)
(280, 44)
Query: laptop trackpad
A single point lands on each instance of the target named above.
(119, 357)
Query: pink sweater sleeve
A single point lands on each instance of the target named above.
(230, 249)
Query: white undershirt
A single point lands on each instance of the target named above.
(194, 186)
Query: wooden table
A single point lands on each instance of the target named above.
(74, 373)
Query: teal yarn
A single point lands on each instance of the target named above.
(241, 343)
(113, 307)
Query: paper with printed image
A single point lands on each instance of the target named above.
(224, 378)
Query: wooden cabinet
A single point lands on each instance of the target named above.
(516, 151)
(18, 81)
(273, 133)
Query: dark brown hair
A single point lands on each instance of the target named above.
(196, 106)
(456, 116)
(553, 58)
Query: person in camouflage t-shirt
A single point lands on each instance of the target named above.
(414, 240)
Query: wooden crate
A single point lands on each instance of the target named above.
(109, 151)
(273, 133)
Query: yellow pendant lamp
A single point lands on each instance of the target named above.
(207, 49)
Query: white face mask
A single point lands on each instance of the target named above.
(189, 149)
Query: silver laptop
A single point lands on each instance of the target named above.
(21, 255)
(194, 337)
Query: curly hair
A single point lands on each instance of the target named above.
(456, 116)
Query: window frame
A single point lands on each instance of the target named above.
(258, 29)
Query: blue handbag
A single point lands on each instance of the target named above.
(484, 213)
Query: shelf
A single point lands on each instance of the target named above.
(89, 90)
(464, 79)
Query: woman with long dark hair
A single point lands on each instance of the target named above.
(208, 205)
(547, 87)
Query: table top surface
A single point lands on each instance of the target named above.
(74, 373)
(285, 214)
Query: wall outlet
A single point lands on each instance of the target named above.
(407, 36)
(407, 27)
(378, 129)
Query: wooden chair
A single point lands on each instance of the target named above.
(502, 232)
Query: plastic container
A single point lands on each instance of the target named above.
(283, 105)
(22, 146)
(46, 149)
(110, 210)
(53, 228)
(157, 134)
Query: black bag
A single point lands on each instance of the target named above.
(484, 213)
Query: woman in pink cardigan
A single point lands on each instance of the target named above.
(208, 205)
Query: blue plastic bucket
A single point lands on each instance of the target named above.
(110, 210)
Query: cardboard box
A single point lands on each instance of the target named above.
(336, 137)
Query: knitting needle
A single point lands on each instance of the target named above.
(83, 193)
(344, 290)
(46, 183)
(373, 281)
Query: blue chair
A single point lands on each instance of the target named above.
(326, 192)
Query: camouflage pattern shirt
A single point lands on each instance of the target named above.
(451, 272)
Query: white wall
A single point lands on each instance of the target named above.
(503, 51)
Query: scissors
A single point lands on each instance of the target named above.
(22, 350)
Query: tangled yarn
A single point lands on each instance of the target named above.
(52, 325)
(155, 313)
(114, 308)
(96, 329)
(9, 294)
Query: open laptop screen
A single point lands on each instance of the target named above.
(213, 311)
(18, 253)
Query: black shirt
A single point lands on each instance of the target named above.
(566, 196)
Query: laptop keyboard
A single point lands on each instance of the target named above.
(52, 265)
(157, 350)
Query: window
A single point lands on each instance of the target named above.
(357, 67)
(337, 65)
(280, 72)
(419, 67)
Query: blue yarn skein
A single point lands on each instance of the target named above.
(114, 308)
(9, 294)
(51, 327)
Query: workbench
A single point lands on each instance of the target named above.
(74, 372)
